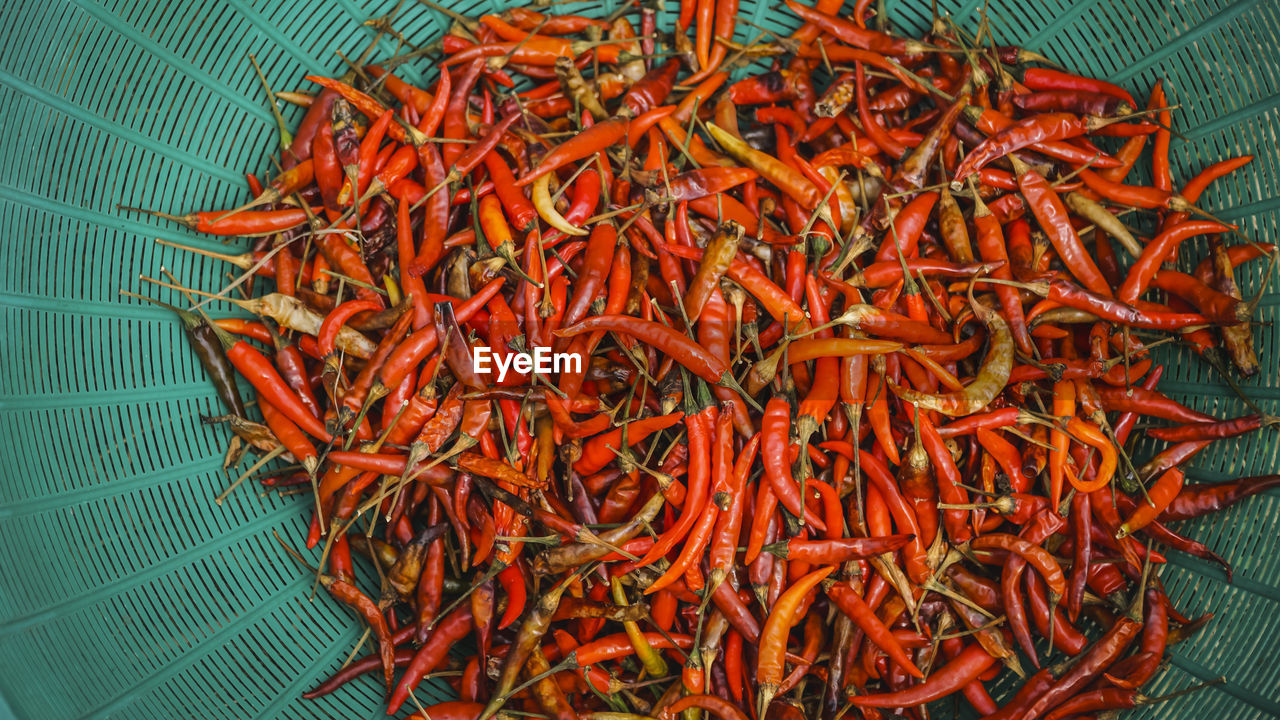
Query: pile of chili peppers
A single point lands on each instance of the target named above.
(858, 367)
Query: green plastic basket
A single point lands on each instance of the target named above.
(125, 592)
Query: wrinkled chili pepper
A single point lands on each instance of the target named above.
(791, 355)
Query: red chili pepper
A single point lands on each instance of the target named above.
(594, 139)
(964, 669)
(836, 551)
(1033, 130)
(452, 628)
(598, 453)
(257, 369)
(678, 346)
(689, 251)
(990, 122)
(348, 594)
(338, 317)
(776, 436)
(420, 343)
(316, 118)
(1162, 176)
(990, 380)
(852, 33)
(1197, 500)
(705, 182)
(1039, 78)
(1053, 219)
(652, 90)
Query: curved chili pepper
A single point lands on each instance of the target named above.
(989, 382)
(333, 322)
(708, 181)
(350, 595)
(790, 181)
(685, 351)
(313, 122)
(1032, 130)
(652, 90)
(1091, 435)
(991, 121)
(436, 221)
(362, 666)
(773, 638)
(1142, 271)
(960, 671)
(1036, 556)
(595, 138)
(712, 704)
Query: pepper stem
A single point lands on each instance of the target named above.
(728, 381)
(244, 262)
(187, 220)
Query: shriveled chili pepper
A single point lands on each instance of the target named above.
(964, 669)
(991, 121)
(350, 595)
(991, 377)
(1151, 403)
(788, 180)
(685, 351)
(1033, 130)
(823, 257)
(1108, 649)
(1196, 500)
